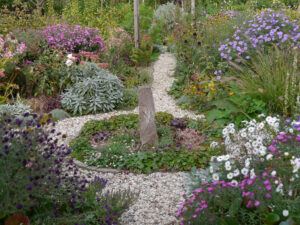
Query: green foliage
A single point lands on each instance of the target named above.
(235, 109)
(275, 70)
(130, 99)
(99, 92)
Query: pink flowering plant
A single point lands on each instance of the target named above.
(265, 184)
(75, 39)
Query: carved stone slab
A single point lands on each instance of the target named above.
(148, 131)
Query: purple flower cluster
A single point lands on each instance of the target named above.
(74, 40)
(37, 167)
(265, 30)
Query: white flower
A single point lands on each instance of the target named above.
(71, 57)
(243, 134)
(262, 152)
(251, 129)
(215, 176)
(291, 130)
(260, 125)
(220, 158)
(234, 182)
(236, 172)
(228, 167)
(279, 188)
(231, 130)
(244, 171)
(231, 125)
(227, 163)
(247, 162)
(213, 144)
(286, 153)
(230, 176)
(290, 192)
(225, 131)
(273, 173)
(252, 173)
(269, 156)
(69, 62)
(285, 212)
(211, 169)
(248, 145)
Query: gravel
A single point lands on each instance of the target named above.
(160, 194)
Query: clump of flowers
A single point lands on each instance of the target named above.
(120, 38)
(264, 30)
(39, 176)
(260, 186)
(10, 48)
(74, 40)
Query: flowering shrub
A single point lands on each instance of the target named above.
(41, 181)
(73, 40)
(264, 184)
(263, 31)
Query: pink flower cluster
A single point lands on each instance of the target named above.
(74, 40)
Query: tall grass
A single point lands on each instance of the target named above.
(274, 78)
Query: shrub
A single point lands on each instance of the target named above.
(73, 40)
(41, 181)
(169, 14)
(99, 93)
(14, 110)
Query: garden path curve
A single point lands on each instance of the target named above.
(160, 194)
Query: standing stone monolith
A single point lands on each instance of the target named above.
(148, 131)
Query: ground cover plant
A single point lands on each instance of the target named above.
(40, 184)
(260, 172)
(115, 143)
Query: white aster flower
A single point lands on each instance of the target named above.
(286, 154)
(220, 158)
(269, 156)
(244, 171)
(226, 157)
(273, 173)
(227, 163)
(230, 176)
(236, 172)
(285, 212)
(251, 129)
(213, 144)
(69, 62)
(234, 182)
(215, 176)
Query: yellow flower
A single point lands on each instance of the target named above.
(212, 89)
(231, 93)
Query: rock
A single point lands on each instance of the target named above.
(148, 131)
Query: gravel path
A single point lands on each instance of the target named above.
(160, 193)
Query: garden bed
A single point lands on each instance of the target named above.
(114, 143)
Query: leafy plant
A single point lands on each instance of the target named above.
(99, 93)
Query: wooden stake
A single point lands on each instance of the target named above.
(137, 23)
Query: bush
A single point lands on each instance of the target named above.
(169, 14)
(41, 181)
(99, 92)
(14, 110)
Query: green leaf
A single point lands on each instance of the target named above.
(235, 206)
(272, 217)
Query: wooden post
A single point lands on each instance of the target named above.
(136, 23)
(193, 7)
(101, 4)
